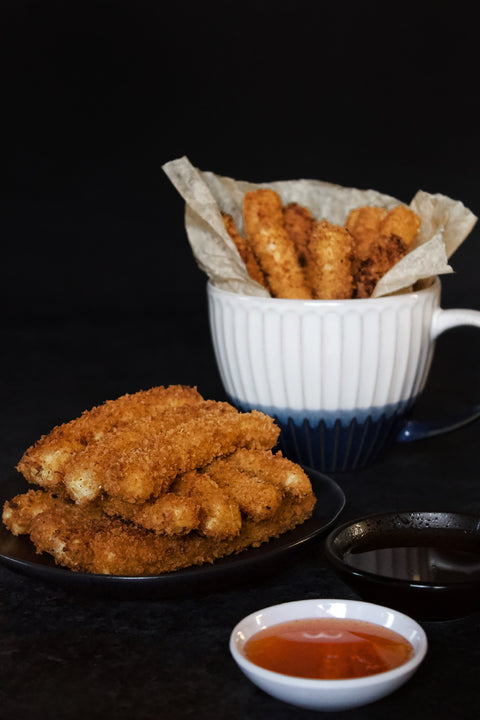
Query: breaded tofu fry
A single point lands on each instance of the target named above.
(368, 224)
(220, 515)
(298, 221)
(79, 540)
(276, 469)
(330, 261)
(162, 491)
(20, 511)
(245, 250)
(381, 239)
(256, 497)
(170, 514)
(44, 462)
(363, 223)
(140, 461)
(261, 207)
(127, 455)
(401, 222)
(255, 480)
(384, 254)
(273, 248)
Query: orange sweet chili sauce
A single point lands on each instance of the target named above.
(328, 648)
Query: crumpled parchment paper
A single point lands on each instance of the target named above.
(445, 224)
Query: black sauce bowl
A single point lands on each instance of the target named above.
(425, 564)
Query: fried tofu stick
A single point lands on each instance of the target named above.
(219, 513)
(381, 239)
(298, 221)
(170, 514)
(403, 223)
(78, 540)
(273, 248)
(369, 224)
(330, 261)
(246, 253)
(363, 223)
(44, 462)
(140, 462)
(255, 482)
(276, 469)
(195, 502)
(257, 498)
(20, 512)
(384, 254)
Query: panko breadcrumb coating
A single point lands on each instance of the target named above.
(295, 255)
(363, 224)
(245, 250)
(329, 262)
(383, 255)
(44, 462)
(82, 541)
(381, 239)
(253, 481)
(299, 223)
(139, 458)
(157, 481)
(273, 248)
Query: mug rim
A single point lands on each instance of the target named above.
(434, 286)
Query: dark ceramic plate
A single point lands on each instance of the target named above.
(426, 564)
(18, 554)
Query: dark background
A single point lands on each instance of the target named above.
(100, 295)
(98, 95)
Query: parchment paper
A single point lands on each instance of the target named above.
(445, 224)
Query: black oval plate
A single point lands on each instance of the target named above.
(426, 564)
(18, 553)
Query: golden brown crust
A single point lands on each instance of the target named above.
(403, 223)
(256, 497)
(299, 223)
(81, 541)
(383, 254)
(220, 516)
(381, 239)
(255, 482)
(245, 250)
(171, 513)
(274, 468)
(43, 463)
(363, 223)
(138, 459)
(304, 258)
(166, 490)
(273, 248)
(330, 261)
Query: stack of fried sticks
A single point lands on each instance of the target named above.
(293, 255)
(156, 481)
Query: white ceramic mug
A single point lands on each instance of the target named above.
(339, 376)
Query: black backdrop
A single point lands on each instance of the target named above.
(98, 95)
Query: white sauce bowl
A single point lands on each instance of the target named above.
(328, 694)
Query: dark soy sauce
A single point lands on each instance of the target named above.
(441, 559)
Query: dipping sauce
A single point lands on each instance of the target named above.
(436, 563)
(328, 648)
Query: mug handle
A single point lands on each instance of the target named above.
(413, 429)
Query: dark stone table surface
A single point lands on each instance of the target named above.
(72, 656)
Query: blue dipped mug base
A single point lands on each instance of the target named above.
(351, 440)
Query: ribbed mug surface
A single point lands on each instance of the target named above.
(338, 376)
